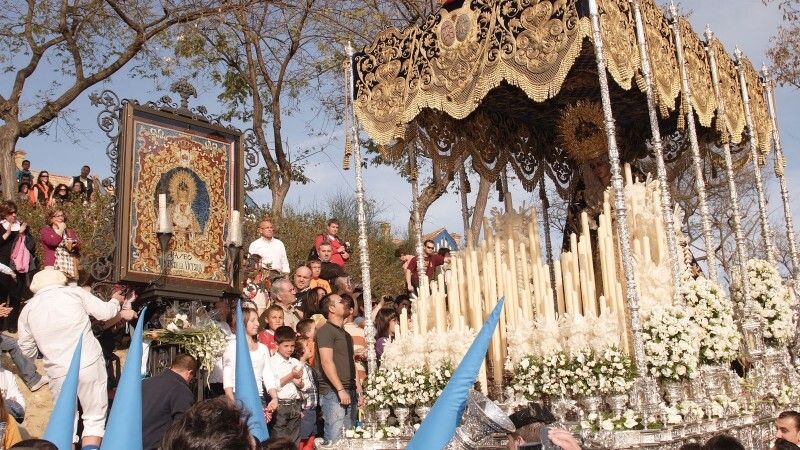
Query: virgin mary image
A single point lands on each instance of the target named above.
(182, 192)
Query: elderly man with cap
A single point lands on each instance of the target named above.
(53, 321)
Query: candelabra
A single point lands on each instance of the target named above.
(164, 238)
(234, 249)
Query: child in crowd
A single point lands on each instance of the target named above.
(316, 268)
(307, 328)
(259, 356)
(289, 372)
(273, 320)
(304, 352)
(385, 324)
(256, 286)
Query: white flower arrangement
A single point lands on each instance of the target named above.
(535, 377)
(582, 374)
(672, 343)
(204, 343)
(178, 323)
(357, 433)
(671, 413)
(614, 371)
(571, 334)
(628, 420)
(722, 406)
(713, 313)
(387, 432)
(788, 395)
(691, 410)
(406, 387)
(773, 302)
(390, 387)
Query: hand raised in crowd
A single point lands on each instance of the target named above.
(118, 296)
(22, 227)
(344, 397)
(60, 227)
(564, 439)
(5, 310)
(128, 314)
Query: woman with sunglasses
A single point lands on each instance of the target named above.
(61, 194)
(42, 191)
(15, 256)
(78, 194)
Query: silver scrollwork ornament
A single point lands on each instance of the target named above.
(482, 418)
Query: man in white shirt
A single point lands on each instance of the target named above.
(270, 249)
(53, 321)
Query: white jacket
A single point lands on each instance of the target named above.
(54, 319)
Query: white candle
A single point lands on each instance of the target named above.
(163, 216)
(527, 310)
(628, 175)
(547, 300)
(562, 307)
(475, 282)
(403, 322)
(235, 232)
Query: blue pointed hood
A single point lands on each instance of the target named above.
(246, 390)
(60, 428)
(441, 422)
(124, 427)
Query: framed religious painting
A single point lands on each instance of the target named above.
(180, 180)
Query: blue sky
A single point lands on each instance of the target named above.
(746, 23)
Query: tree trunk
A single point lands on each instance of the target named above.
(429, 194)
(480, 208)
(9, 134)
(279, 192)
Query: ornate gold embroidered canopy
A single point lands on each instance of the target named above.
(492, 79)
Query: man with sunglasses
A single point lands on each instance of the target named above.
(432, 261)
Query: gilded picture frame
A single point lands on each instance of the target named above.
(199, 167)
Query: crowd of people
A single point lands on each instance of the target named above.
(304, 329)
(83, 187)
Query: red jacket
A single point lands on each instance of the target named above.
(336, 258)
(51, 240)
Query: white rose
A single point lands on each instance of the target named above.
(349, 434)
